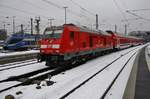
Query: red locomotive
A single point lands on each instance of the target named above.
(72, 44)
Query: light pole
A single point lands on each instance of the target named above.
(37, 20)
(97, 21)
(125, 29)
(50, 21)
(4, 25)
(115, 28)
(31, 26)
(65, 14)
(14, 24)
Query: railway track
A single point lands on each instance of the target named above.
(4, 67)
(29, 78)
(97, 73)
(15, 58)
(16, 63)
(113, 81)
(16, 78)
(32, 76)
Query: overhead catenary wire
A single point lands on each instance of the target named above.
(20, 10)
(82, 8)
(85, 10)
(59, 7)
(69, 10)
(16, 9)
(43, 16)
(28, 13)
(33, 5)
(123, 15)
(131, 19)
(42, 8)
(140, 17)
(120, 10)
(132, 12)
(147, 9)
(8, 19)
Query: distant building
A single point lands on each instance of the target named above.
(143, 34)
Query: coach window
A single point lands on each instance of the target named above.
(72, 35)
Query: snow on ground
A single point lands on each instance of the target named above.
(6, 84)
(101, 82)
(69, 79)
(18, 53)
(148, 49)
(147, 56)
(117, 90)
(21, 70)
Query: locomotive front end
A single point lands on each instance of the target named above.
(50, 45)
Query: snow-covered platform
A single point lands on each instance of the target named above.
(139, 82)
(142, 90)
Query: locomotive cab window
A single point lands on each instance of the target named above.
(15, 40)
(53, 33)
(72, 35)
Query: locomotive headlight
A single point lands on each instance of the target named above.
(43, 46)
(56, 46)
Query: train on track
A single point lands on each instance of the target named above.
(21, 41)
(71, 44)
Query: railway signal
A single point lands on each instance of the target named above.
(37, 27)
(14, 24)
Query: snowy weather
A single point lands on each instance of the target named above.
(57, 49)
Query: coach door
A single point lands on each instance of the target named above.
(118, 43)
(74, 40)
(91, 41)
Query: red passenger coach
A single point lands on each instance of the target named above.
(71, 44)
(121, 41)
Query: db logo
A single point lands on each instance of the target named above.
(49, 46)
(71, 43)
(50, 41)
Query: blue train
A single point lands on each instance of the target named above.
(21, 41)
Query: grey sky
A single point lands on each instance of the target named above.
(110, 12)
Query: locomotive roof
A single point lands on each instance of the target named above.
(82, 28)
(86, 29)
(54, 28)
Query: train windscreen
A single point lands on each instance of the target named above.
(53, 33)
(15, 40)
